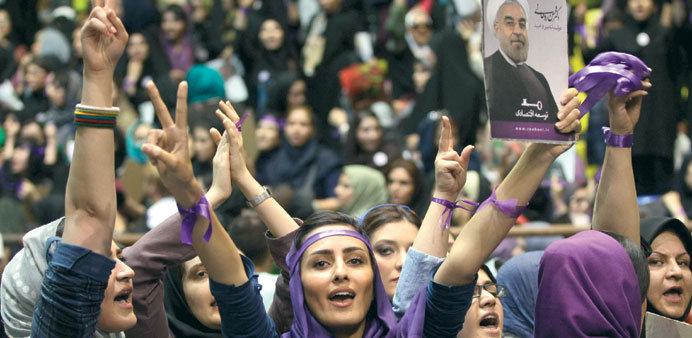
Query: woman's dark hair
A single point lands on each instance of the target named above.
(385, 215)
(247, 231)
(638, 258)
(415, 174)
(489, 273)
(178, 12)
(352, 148)
(323, 218)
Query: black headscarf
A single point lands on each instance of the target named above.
(651, 227)
(682, 188)
(181, 321)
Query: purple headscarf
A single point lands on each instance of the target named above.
(587, 287)
(383, 325)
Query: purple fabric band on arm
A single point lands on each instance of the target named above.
(507, 207)
(615, 140)
(240, 122)
(190, 218)
(620, 72)
(449, 209)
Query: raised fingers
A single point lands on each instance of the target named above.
(215, 135)
(160, 107)
(181, 106)
(466, 156)
(445, 135)
(101, 14)
(120, 31)
(229, 111)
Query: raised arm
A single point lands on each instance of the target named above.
(278, 221)
(616, 208)
(483, 233)
(81, 265)
(237, 296)
(450, 177)
(90, 204)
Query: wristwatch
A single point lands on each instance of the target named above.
(257, 200)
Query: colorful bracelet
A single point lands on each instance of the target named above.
(615, 140)
(95, 117)
(449, 209)
(507, 207)
(201, 208)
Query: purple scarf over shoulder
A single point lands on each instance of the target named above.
(384, 323)
(587, 287)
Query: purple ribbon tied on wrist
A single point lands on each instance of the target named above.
(449, 209)
(507, 207)
(240, 122)
(189, 216)
(623, 73)
(615, 140)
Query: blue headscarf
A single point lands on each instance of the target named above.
(520, 276)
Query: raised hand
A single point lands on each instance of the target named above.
(624, 111)
(450, 167)
(230, 117)
(168, 149)
(103, 37)
(568, 121)
(221, 186)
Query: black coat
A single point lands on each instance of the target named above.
(655, 132)
(508, 87)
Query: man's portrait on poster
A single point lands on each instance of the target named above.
(516, 91)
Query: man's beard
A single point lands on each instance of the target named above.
(516, 52)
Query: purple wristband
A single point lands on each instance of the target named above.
(615, 140)
(201, 208)
(507, 207)
(449, 209)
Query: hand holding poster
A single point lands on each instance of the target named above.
(526, 68)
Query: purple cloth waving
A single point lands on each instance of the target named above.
(384, 324)
(587, 287)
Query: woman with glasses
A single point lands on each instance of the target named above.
(484, 318)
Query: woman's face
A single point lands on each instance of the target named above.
(641, 10)
(299, 128)
(484, 318)
(35, 77)
(34, 132)
(296, 94)
(117, 313)
(20, 159)
(400, 186)
(56, 95)
(198, 295)
(390, 243)
(337, 278)
(369, 134)
(205, 148)
(670, 289)
(267, 135)
(421, 30)
(172, 28)
(137, 47)
(271, 34)
(344, 190)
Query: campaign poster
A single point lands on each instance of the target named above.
(526, 68)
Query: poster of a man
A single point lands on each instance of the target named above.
(525, 59)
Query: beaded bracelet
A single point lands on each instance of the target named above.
(95, 117)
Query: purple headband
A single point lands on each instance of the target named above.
(304, 323)
(274, 120)
(620, 72)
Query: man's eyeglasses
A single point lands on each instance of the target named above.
(495, 289)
